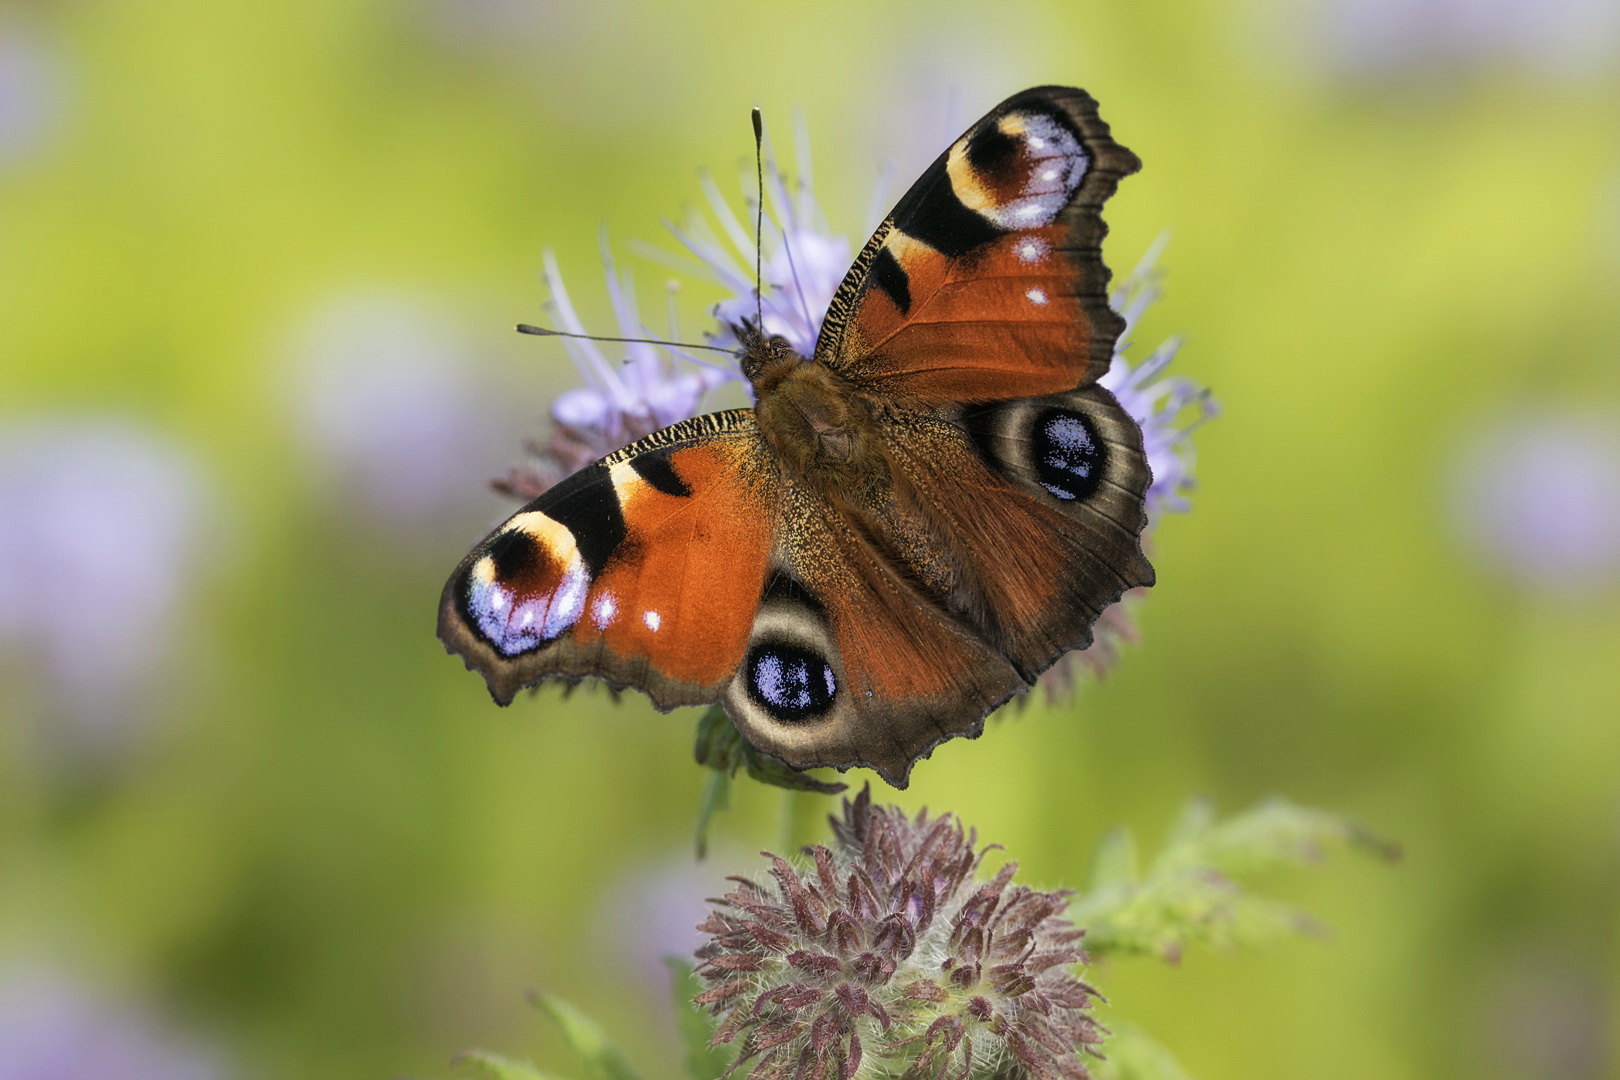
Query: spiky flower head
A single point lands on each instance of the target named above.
(888, 953)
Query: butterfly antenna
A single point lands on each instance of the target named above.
(541, 331)
(759, 221)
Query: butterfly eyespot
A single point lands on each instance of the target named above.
(790, 682)
(1068, 454)
(526, 591)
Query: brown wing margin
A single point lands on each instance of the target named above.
(986, 281)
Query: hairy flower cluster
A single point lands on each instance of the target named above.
(889, 954)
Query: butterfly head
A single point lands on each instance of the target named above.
(764, 357)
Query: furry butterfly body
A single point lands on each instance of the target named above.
(907, 527)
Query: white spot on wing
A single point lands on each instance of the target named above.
(604, 611)
(1036, 296)
(1030, 250)
(653, 620)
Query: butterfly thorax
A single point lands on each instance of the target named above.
(822, 430)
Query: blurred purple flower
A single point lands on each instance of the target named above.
(1552, 1002)
(53, 1028)
(383, 398)
(32, 94)
(1376, 38)
(101, 535)
(650, 912)
(493, 22)
(1538, 498)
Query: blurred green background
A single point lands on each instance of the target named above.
(258, 268)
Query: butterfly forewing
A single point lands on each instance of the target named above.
(986, 282)
(644, 569)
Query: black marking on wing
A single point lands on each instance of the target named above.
(514, 553)
(992, 151)
(657, 471)
(981, 428)
(937, 217)
(1069, 455)
(783, 586)
(588, 507)
(932, 213)
(891, 277)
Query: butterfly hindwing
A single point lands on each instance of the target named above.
(851, 662)
(643, 569)
(887, 627)
(986, 282)
(1039, 502)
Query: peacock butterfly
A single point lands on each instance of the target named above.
(907, 528)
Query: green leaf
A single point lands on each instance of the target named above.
(702, 1061)
(1195, 820)
(716, 797)
(1189, 894)
(496, 1067)
(1132, 1055)
(602, 1059)
(1115, 861)
(1276, 833)
(719, 745)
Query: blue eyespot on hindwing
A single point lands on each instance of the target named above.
(1067, 453)
(790, 682)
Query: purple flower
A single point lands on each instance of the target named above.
(1168, 408)
(382, 397)
(54, 1028)
(804, 260)
(650, 913)
(1376, 38)
(32, 94)
(101, 537)
(890, 953)
(619, 403)
(1537, 497)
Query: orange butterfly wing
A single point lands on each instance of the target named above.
(986, 282)
(644, 569)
